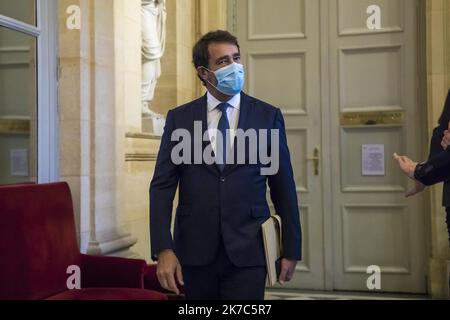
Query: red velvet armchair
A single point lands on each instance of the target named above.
(38, 244)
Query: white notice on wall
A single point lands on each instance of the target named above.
(19, 162)
(373, 160)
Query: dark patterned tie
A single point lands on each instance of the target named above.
(223, 127)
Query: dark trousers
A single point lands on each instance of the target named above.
(448, 222)
(221, 280)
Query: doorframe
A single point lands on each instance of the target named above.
(427, 206)
(327, 185)
(45, 33)
(47, 67)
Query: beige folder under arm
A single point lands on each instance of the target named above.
(271, 232)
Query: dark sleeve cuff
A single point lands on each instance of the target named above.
(426, 174)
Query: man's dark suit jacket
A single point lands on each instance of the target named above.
(435, 150)
(231, 204)
(437, 168)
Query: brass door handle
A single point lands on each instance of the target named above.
(316, 160)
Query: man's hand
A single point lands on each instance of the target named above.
(167, 269)
(418, 188)
(446, 139)
(407, 165)
(287, 270)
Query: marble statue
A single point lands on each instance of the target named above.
(153, 45)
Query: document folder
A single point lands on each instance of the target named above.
(271, 232)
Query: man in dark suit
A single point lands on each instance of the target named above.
(437, 168)
(217, 248)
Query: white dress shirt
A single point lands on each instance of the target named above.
(214, 116)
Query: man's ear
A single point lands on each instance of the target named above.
(202, 73)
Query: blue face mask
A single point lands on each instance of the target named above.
(230, 79)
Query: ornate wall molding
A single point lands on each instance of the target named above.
(140, 157)
(15, 126)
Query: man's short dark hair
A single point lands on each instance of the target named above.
(200, 54)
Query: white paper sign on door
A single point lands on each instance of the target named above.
(373, 160)
(19, 162)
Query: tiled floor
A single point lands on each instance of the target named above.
(319, 295)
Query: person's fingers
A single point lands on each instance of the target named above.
(398, 159)
(290, 274)
(171, 283)
(179, 274)
(283, 274)
(418, 188)
(410, 193)
(402, 162)
(406, 159)
(167, 279)
(444, 145)
(162, 280)
(446, 138)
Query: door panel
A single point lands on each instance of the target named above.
(371, 72)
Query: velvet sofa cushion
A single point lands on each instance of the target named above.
(112, 272)
(109, 294)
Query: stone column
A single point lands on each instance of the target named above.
(92, 127)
